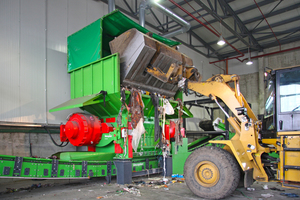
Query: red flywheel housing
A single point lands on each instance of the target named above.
(83, 130)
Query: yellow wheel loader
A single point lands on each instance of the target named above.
(265, 150)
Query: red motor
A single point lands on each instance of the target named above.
(83, 130)
(170, 130)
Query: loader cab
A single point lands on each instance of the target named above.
(282, 105)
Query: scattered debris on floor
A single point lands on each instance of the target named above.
(32, 187)
(265, 187)
(155, 183)
(250, 189)
(267, 195)
(177, 176)
(274, 188)
(289, 194)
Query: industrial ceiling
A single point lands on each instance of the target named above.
(244, 24)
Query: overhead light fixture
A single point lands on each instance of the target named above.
(249, 62)
(221, 41)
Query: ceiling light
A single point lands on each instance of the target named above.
(221, 41)
(249, 62)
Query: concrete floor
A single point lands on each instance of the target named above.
(91, 189)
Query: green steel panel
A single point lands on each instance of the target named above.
(32, 169)
(44, 170)
(92, 170)
(103, 74)
(179, 157)
(75, 103)
(73, 167)
(138, 166)
(66, 170)
(6, 164)
(88, 81)
(84, 46)
(93, 156)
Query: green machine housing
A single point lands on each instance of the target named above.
(96, 87)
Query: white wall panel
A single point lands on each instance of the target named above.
(77, 15)
(32, 61)
(58, 80)
(9, 60)
(95, 10)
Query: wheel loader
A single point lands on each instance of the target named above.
(263, 150)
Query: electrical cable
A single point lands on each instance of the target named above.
(59, 145)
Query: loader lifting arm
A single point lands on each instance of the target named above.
(244, 145)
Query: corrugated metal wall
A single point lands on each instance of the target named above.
(33, 55)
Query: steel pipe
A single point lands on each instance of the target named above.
(185, 25)
(143, 6)
(111, 6)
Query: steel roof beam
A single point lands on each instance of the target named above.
(183, 2)
(210, 5)
(277, 12)
(183, 18)
(220, 49)
(251, 7)
(292, 30)
(265, 45)
(200, 3)
(243, 28)
(204, 43)
(191, 47)
(156, 18)
(282, 41)
(277, 24)
(228, 1)
(267, 14)
(180, 3)
(126, 3)
(234, 53)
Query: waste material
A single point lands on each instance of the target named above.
(289, 194)
(274, 188)
(250, 189)
(168, 108)
(33, 186)
(267, 195)
(265, 187)
(177, 176)
(132, 190)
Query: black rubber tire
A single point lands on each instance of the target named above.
(229, 172)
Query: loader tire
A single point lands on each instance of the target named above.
(211, 173)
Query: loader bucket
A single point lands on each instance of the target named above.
(137, 52)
